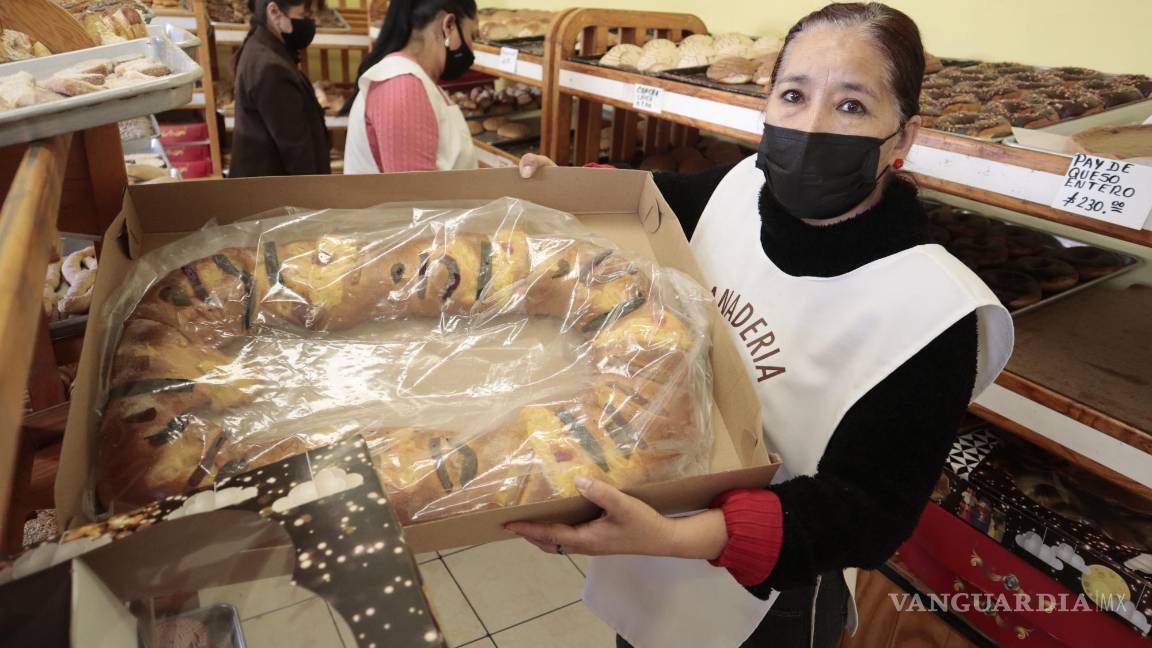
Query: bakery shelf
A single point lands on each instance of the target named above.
(529, 67)
(1023, 180)
(738, 116)
(492, 156)
(229, 34)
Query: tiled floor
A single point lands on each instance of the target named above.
(502, 595)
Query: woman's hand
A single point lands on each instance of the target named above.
(530, 162)
(628, 526)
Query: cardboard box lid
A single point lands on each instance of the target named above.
(611, 202)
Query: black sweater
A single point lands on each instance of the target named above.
(881, 463)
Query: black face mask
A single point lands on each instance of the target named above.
(458, 61)
(303, 31)
(819, 176)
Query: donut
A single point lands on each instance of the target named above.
(939, 235)
(1053, 274)
(974, 124)
(1035, 80)
(1022, 241)
(1091, 262)
(961, 223)
(1074, 75)
(989, 90)
(937, 82)
(1111, 92)
(1141, 82)
(950, 102)
(929, 113)
(1024, 114)
(979, 255)
(1013, 289)
(1003, 69)
(1069, 103)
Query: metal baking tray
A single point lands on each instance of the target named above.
(698, 76)
(146, 147)
(182, 38)
(221, 621)
(1130, 263)
(533, 45)
(103, 107)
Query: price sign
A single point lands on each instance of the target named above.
(508, 57)
(648, 99)
(1109, 190)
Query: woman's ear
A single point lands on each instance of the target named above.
(450, 34)
(907, 137)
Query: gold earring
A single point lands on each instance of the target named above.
(447, 42)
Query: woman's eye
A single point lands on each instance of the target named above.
(852, 106)
(792, 96)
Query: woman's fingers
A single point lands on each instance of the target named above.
(604, 495)
(530, 162)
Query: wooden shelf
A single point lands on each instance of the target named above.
(229, 34)
(493, 157)
(735, 115)
(529, 67)
(1015, 178)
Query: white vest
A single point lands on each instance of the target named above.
(454, 150)
(813, 346)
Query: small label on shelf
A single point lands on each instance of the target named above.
(1115, 191)
(508, 58)
(648, 99)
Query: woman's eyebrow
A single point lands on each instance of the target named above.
(852, 86)
(794, 78)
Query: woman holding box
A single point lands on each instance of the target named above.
(865, 342)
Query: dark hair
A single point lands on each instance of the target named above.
(259, 18)
(891, 31)
(402, 18)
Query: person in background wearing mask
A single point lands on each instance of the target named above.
(399, 119)
(279, 124)
(865, 343)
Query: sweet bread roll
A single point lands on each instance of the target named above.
(698, 40)
(148, 66)
(17, 91)
(622, 56)
(514, 130)
(763, 74)
(658, 44)
(209, 300)
(693, 58)
(732, 70)
(659, 59)
(475, 127)
(71, 86)
(493, 124)
(733, 45)
(765, 46)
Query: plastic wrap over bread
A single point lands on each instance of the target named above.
(488, 354)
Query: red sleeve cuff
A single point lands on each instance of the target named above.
(755, 523)
(594, 165)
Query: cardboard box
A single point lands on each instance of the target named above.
(178, 153)
(190, 132)
(304, 552)
(623, 206)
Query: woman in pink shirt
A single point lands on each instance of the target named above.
(399, 118)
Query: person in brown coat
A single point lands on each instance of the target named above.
(279, 124)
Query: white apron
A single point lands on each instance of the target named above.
(454, 150)
(813, 346)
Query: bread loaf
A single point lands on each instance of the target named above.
(493, 124)
(732, 70)
(172, 377)
(514, 130)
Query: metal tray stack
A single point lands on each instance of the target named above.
(533, 45)
(103, 107)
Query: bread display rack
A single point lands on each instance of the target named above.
(73, 182)
(522, 60)
(195, 21)
(684, 109)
